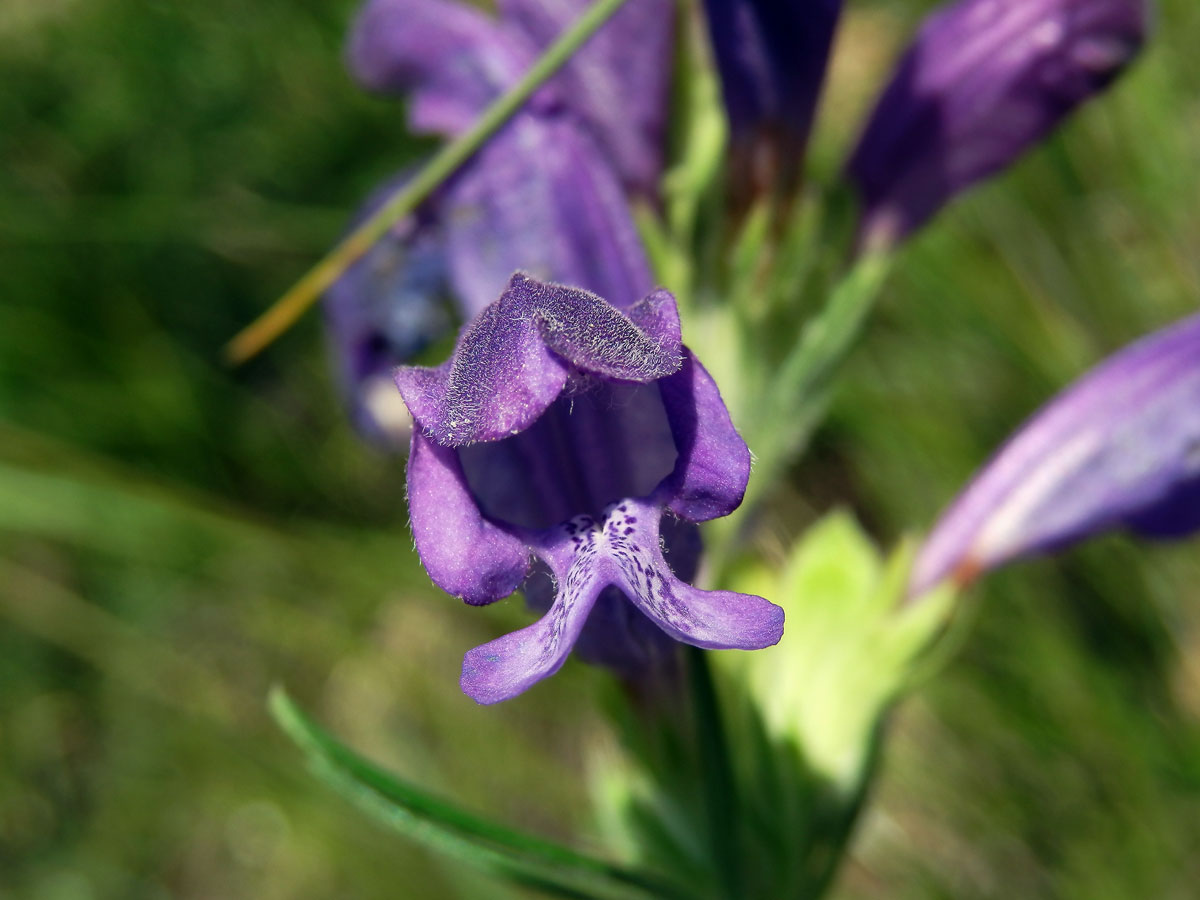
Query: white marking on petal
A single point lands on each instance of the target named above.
(1008, 528)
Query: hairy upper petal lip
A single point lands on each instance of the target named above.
(513, 360)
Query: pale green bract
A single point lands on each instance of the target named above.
(849, 649)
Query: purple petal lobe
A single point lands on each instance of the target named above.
(621, 549)
(657, 316)
(452, 58)
(465, 554)
(1119, 447)
(617, 635)
(772, 57)
(499, 380)
(510, 665)
(599, 339)
(983, 81)
(717, 620)
(512, 361)
(713, 466)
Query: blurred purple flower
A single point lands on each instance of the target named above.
(619, 82)
(772, 56)
(1119, 448)
(982, 82)
(389, 306)
(545, 195)
(562, 429)
(453, 60)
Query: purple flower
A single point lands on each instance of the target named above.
(453, 60)
(545, 195)
(1119, 448)
(772, 56)
(618, 83)
(570, 432)
(389, 306)
(982, 82)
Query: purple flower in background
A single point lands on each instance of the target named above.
(546, 195)
(570, 432)
(982, 82)
(619, 82)
(772, 56)
(453, 60)
(1119, 448)
(389, 306)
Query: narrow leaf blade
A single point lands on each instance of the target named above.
(496, 848)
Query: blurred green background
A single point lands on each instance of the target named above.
(175, 536)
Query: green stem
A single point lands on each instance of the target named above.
(828, 338)
(522, 857)
(720, 791)
(843, 826)
(796, 398)
(799, 391)
(304, 293)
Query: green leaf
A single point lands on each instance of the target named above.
(503, 851)
(700, 132)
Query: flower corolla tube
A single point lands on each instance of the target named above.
(1119, 448)
(982, 82)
